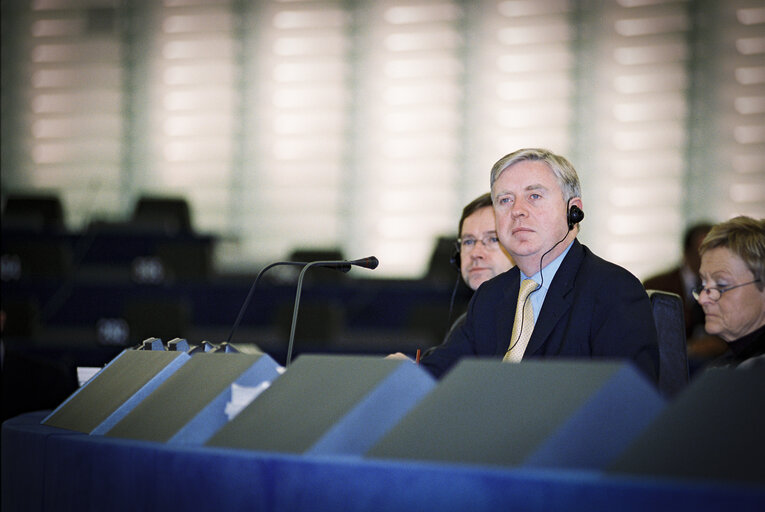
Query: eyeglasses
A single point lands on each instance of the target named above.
(716, 293)
(467, 244)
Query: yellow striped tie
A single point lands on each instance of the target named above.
(523, 324)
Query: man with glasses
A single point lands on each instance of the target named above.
(732, 291)
(478, 253)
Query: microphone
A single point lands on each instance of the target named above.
(369, 262)
(342, 266)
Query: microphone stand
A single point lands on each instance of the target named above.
(370, 263)
(252, 289)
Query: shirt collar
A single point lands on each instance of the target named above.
(549, 270)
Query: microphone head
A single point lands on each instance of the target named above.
(369, 262)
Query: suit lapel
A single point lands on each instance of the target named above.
(558, 299)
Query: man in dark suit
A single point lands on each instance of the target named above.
(580, 306)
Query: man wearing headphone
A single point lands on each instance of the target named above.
(574, 304)
(478, 253)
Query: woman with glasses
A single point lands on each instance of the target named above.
(732, 291)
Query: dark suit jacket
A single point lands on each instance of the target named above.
(593, 308)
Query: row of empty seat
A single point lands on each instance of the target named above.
(46, 212)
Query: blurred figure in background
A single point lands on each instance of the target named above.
(732, 290)
(479, 254)
(682, 279)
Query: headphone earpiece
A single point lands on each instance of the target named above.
(456, 259)
(575, 216)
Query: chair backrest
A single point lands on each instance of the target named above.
(670, 327)
(170, 214)
(316, 274)
(38, 211)
(441, 268)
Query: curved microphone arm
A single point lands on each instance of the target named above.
(295, 311)
(252, 289)
(370, 262)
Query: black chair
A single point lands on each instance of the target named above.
(441, 268)
(670, 327)
(308, 254)
(316, 274)
(33, 211)
(167, 214)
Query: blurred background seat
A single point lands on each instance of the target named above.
(440, 267)
(315, 274)
(168, 214)
(33, 211)
(670, 327)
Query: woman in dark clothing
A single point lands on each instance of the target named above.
(732, 291)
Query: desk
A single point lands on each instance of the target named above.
(45, 468)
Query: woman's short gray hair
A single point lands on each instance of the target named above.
(744, 237)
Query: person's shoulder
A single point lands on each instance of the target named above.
(609, 270)
(664, 279)
(499, 282)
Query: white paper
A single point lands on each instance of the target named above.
(241, 396)
(85, 373)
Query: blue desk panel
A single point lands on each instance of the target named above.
(82, 472)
